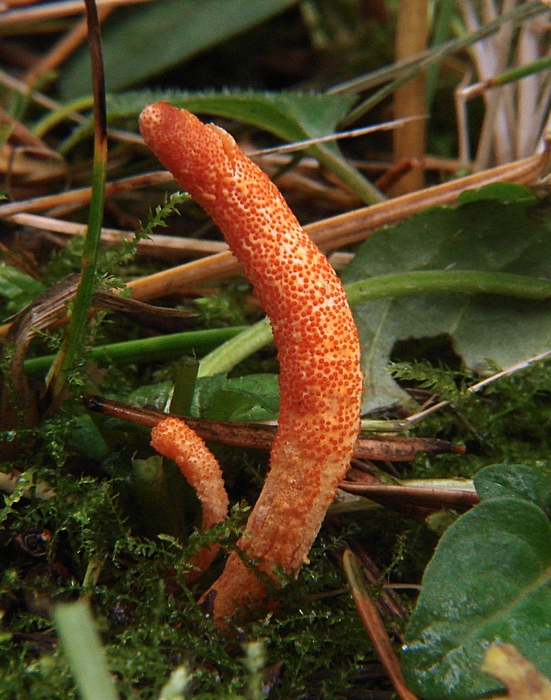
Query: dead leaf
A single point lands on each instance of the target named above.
(521, 678)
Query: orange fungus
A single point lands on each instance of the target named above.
(174, 439)
(315, 334)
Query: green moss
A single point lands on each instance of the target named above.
(507, 421)
(148, 619)
(147, 616)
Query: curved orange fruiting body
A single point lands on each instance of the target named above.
(176, 440)
(315, 334)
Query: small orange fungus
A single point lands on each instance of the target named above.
(174, 439)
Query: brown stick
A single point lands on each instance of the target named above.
(260, 436)
(409, 99)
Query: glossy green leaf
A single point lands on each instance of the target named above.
(86, 436)
(253, 397)
(147, 39)
(532, 483)
(483, 235)
(155, 396)
(489, 581)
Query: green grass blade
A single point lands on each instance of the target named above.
(73, 340)
(82, 647)
(514, 74)
(146, 349)
(233, 351)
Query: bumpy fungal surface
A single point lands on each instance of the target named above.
(174, 439)
(315, 334)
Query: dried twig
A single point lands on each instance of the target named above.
(374, 626)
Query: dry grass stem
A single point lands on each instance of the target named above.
(83, 194)
(22, 134)
(65, 47)
(260, 435)
(375, 627)
(54, 10)
(516, 113)
(409, 99)
(425, 497)
(417, 417)
(154, 244)
(342, 229)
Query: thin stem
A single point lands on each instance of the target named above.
(239, 343)
(420, 415)
(73, 340)
(53, 118)
(233, 351)
(374, 625)
(448, 281)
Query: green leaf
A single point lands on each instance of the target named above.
(489, 581)
(487, 235)
(291, 115)
(254, 397)
(502, 192)
(156, 395)
(147, 39)
(86, 437)
(18, 288)
(532, 483)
